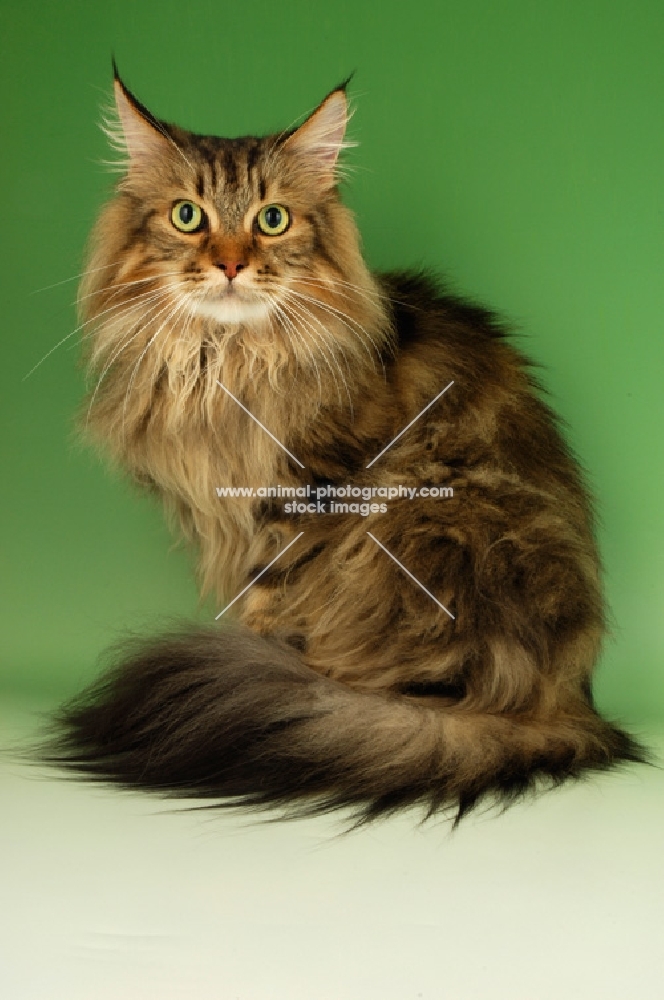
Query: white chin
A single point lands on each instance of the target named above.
(233, 309)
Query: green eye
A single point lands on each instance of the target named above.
(187, 216)
(273, 220)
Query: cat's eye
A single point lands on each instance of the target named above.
(273, 220)
(187, 216)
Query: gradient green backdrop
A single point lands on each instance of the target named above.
(516, 146)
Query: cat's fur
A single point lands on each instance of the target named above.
(342, 684)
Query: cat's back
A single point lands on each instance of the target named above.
(441, 336)
(495, 413)
(422, 309)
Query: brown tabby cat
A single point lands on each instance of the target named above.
(436, 651)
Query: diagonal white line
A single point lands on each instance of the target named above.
(408, 573)
(427, 407)
(283, 447)
(258, 576)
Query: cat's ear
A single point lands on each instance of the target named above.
(320, 139)
(140, 135)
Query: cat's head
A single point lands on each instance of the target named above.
(231, 238)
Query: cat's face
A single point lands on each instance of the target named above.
(229, 256)
(232, 226)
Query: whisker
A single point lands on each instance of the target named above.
(131, 306)
(127, 284)
(82, 326)
(298, 333)
(138, 302)
(272, 309)
(295, 320)
(177, 308)
(193, 296)
(374, 295)
(88, 270)
(333, 310)
(304, 315)
(295, 353)
(116, 355)
(351, 324)
(378, 295)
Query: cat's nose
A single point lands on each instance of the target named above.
(230, 268)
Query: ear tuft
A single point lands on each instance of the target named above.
(135, 132)
(320, 139)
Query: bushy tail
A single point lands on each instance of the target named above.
(228, 715)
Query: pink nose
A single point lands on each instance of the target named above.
(230, 269)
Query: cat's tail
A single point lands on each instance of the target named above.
(230, 716)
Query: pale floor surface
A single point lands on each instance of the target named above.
(109, 896)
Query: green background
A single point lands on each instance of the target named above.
(516, 147)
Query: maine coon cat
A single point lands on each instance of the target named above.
(239, 340)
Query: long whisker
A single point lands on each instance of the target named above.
(299, 324)
(117, 354)
(127, 284)
(124, 344)
(377, 294)
(138, 302)
(324, 337)
(297, 321)
(290, 325)
(273, 311)
(305, 315)
(171, 314)
(289, 330)
(299, 303)
(337, 344)
(333, 310)
(374, 295)
(88, 270)
(193, 297)
(81, 326)
(351, 324)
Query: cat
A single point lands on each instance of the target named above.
(433, 651)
